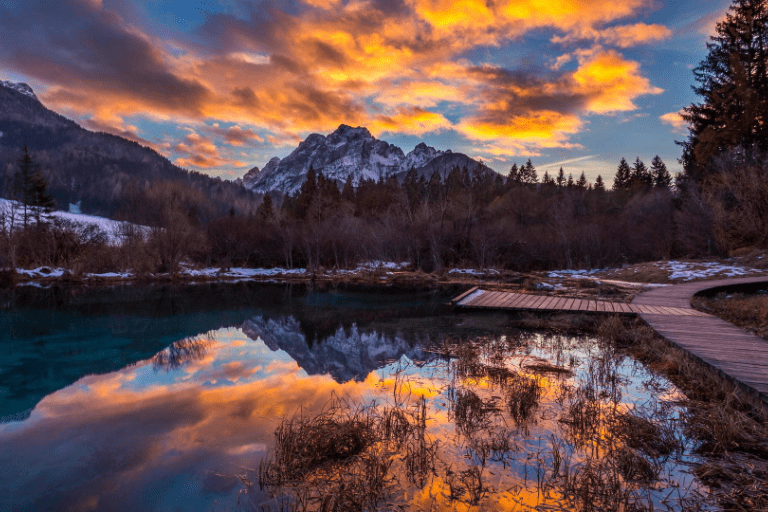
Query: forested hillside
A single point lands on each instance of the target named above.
(109, 175)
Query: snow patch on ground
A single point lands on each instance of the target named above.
(631, 284)
(687, 271)
(40, 272)
(376, 264)
(243, 272)
(575, 274)
(474, 272)
(111, 228)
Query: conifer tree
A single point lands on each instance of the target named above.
(514, 175)
(599, 185)
(582, 183)
(623, 173)
(31, 187)
(307, 193)
(659, 173)
(640, 177)
(560, 180)
(528, 173)
(570, 181)
(733, 83)
(266, 210)
(348, 192)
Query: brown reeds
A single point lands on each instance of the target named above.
(722, 420)
(342, 458)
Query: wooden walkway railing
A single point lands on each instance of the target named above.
(738, 355)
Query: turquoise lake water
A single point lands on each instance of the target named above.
(166, 398)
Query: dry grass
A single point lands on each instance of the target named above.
(522, 397)
(747, 311)
(600, 454)
(640, 273)
(750, 257)
(719, 416)
(348, 457)
(645, 435)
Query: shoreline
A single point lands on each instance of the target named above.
(598, 284)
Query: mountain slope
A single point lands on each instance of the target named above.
(352, 152)
(102, 171)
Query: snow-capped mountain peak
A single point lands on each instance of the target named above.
(349, 152)
(19, 87)
(420, 156)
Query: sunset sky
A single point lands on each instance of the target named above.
(223, 86)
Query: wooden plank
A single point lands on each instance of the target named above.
(493, 300)
(553, 304)
(584, 305)
(521, 297)
(527, 301)
(496, 301)
(560, 304)
(473, 301)
(468, 292)
(513, 299)
(542, 303)
(569, 304)
(508, 297)
(483, 300)
(539, 300)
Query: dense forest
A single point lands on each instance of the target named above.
(468, 219)
(718, 204)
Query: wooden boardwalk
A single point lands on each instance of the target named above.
(738, 355)
(483, 299)
(734, 353)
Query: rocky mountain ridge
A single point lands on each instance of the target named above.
(352, 152)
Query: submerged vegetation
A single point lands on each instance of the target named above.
(529, 422)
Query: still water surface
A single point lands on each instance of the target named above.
(167, 398)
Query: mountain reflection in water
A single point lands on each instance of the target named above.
(50, 338)
(142, 398)
(186, 418)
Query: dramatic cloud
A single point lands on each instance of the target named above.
(622, 36)
(675, 120)
(201, 152)
(274, 72)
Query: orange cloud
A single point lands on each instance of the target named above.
(546, 129)
(278, 75)
(413, 121)
(202, 153)
(611, 82)
(676, 121)
(622, 36)
(520, 115)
